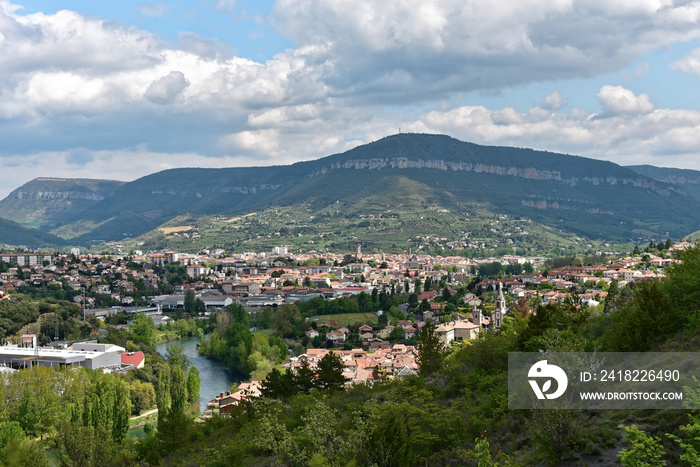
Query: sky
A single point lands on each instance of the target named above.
(119, 90)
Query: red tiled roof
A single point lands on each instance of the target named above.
(132, 358)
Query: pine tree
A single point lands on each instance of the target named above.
(304, 380)
(330, 372)
(278, 385)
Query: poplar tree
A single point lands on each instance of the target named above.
(121, 412)
(178, 390)
(193, 385)
(163, 393)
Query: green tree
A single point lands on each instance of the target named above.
(9, 431)
(176, 356)
(305, 378)
(683, 287)
(397, 334)
(431, 351)
(142, 396)
(556, 432)
(417, 285)
(193, 385)
(178, 391)
(492, 269)
(84, 445)
(29, 415)
(163, 393)
(120, 412)
(646, 318)
(279, 385)
(481, 454)
(239, 314)
(329, 372)
(142, 329)
(287, 320)
(643, 451)
(690, 446)
(189, 301)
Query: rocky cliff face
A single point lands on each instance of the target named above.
(88, 195)
(529, 173)
(244, 190)
(46, 202)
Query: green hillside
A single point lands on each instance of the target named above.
(688, 180)
(583, 197)
(13, 234)
(45, 203)
(420, 225)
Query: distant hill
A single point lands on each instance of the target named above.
(410, 172)
(45, 203)
(688, 180)
(16, 235)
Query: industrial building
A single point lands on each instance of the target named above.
(24, 357)
(86, 354)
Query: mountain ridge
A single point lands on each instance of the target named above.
(590, 197)
(686, 179)
(15, 235)
(46, 202)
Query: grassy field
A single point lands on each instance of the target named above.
(346, 319)
(180, 228)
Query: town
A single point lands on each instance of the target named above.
(284, 323)
(370, 307)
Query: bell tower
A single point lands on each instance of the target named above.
(500, 308)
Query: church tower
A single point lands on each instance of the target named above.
(500, 308)
(476, 316)
(358, 253)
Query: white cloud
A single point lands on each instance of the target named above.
(617, 100)
(690, 63)
(155, 10)
(72, 81)
(226, 5)
(555, 101)
(61, 91)
(166, 89)
(92, 60)
(257, 141)
(427, 48)
(664, 137)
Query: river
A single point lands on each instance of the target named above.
(216, 378)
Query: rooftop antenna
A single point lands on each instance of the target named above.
(55, 337)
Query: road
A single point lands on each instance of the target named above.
(150, 412)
